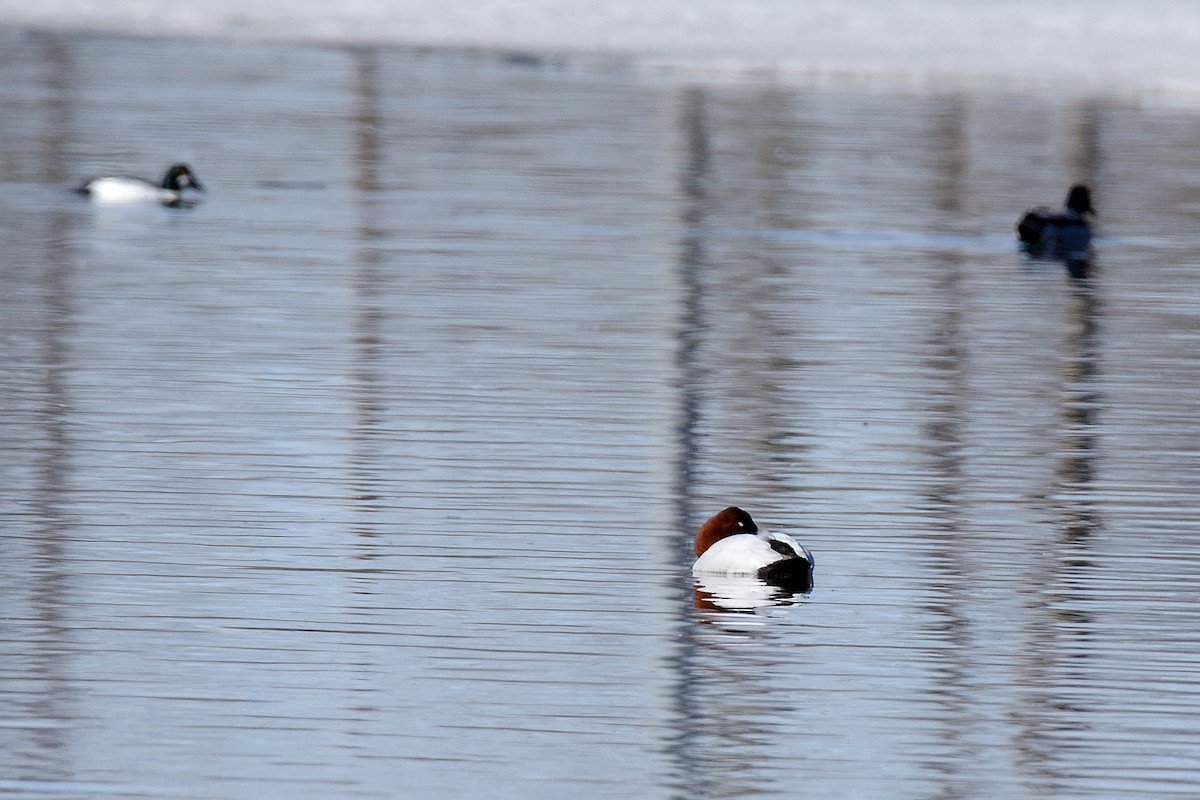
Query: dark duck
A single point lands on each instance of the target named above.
(1068, 229)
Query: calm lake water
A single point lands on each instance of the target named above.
(375, 474)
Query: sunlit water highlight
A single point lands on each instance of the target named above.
(376, 472)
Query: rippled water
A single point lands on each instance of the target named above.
(374, 475)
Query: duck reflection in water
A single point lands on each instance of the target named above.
(740, 567)
(744, 594)
(1064, 234)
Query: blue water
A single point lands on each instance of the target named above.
(375, 473)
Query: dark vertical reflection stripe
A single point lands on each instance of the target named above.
(1087, 148)
(693, 178)
(948, 407)
(50, 579)
(692, 259)
(368, 398)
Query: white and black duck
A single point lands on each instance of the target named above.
(173, 190)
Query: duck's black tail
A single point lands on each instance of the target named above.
(793, 574)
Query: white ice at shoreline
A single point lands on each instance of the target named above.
(1144, 47)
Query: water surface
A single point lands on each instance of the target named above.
(376, 472)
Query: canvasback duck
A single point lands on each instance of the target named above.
(1068, 228)
(170, 192)
(730, 544)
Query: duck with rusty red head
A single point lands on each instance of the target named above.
(730, 544)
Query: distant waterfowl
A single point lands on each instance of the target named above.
(1065, 229)
(730, 544)
(122, 190)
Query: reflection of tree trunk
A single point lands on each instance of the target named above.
(369, 316)
(1086, 155)
(1080, 401)
(693, 180)
(50, 581)
(948, 408)
(1059, 606)
(1086, 165)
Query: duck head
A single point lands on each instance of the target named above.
(179, 177)
(1079, 200)
(729, 522)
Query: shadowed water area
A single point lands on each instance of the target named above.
(375, 474)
